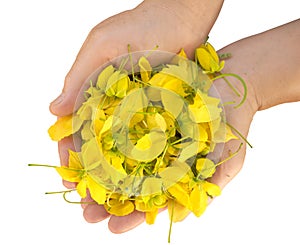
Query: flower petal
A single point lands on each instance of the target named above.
(151, 216)
(64, 126)
(119, 208)
(199, 200)
(71, 175)
(98, 193)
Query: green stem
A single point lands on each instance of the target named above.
(131, 61)
(231, 156)
(171, 221)
(42, 165)
(65, 198)
(68, 201)
(230, 85)
(238, 132)
(51, 166)
(179, 140)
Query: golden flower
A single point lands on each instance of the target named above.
(209, 59)
(146, 137)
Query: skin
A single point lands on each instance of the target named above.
(268, 62)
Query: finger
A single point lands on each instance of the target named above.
(123, 224)
(94, 213)
(87, 200)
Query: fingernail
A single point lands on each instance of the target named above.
(58, 100)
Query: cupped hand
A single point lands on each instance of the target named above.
(170, 25)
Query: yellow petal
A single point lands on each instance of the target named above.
(203, 57)
(81, 188)
(168, 82)
(117, 84)
(203, 135)
(116, 161)
(172, 175)
(177, 211)
(98, 192)
(64, 126)
(212, 52)
(180, 194)
(99, 121)
(159, 201)
(206, 113)
(107, 125)
(211, 189)
(223, 134)
(145, 69)
(151, 186)
(71, 175)
(86, 133)
(74, 160)
(199, 201)
(182, 53)
(91, 154)
(209, 59)
(151, 216)
(205, 167)
(119, 208)
(168, 98)
(104, 76)
(144, 143)
(189, 151)
(150, 146)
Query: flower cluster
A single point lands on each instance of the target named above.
(146, 135)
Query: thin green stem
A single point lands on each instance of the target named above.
(131, 62)
(232, 87)
(42, 165)
(238, 132)
(171, 220)
(231, 156)
(223, 75)
(228, 103)
(179, 140)
(59, 192)
(68, 201)
(51, 166)
(65, 198)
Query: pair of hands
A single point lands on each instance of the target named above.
(171, 26)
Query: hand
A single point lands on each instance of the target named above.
(265, 89)
(170, 24)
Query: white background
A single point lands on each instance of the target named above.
(38, 43)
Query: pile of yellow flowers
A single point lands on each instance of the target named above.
(146, 134)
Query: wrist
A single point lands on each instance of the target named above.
(269, 62)
(194, 18)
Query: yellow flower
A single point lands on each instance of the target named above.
(80, 166)
(151, 199)
(209, 59)
(117, 84)
(151, 206)
(168, 82)
(199, 196)
(118, 206)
